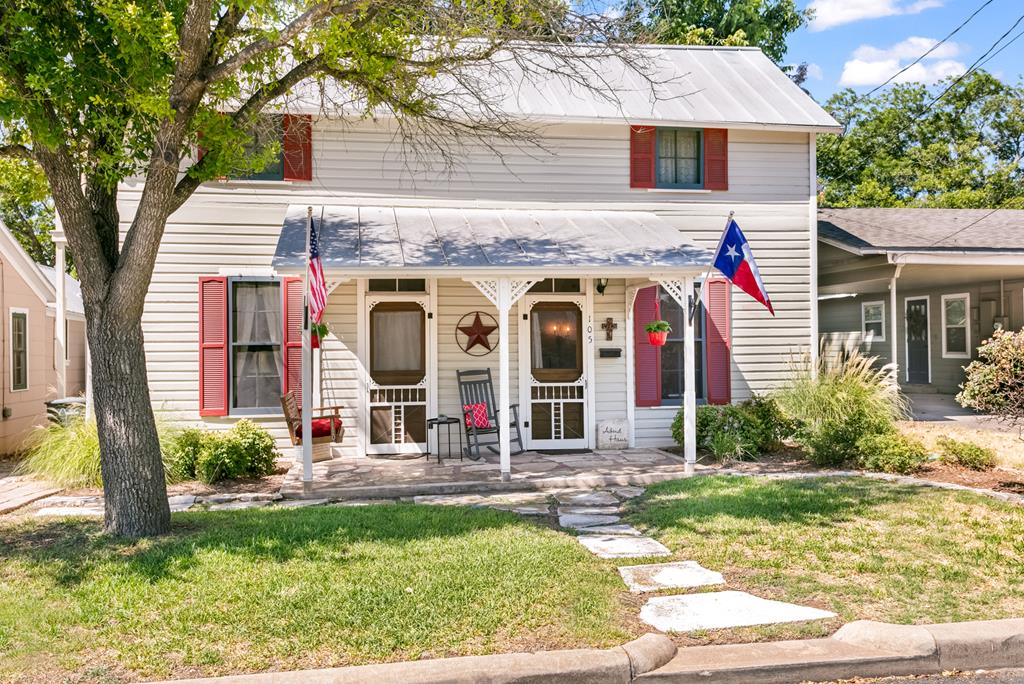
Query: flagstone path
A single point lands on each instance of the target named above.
(17, 491)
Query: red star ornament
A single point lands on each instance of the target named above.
(477, 333)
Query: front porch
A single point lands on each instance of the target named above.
(368, 477)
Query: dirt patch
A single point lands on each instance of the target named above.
(998, 479)
(1009, 446)
(264, 485)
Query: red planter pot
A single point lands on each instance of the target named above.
(314, 342)
(658, 339)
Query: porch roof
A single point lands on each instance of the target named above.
(438, 240)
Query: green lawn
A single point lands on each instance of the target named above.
(861, 548)
(286, 589)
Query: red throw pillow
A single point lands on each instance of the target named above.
(476, 415)
(321, 427)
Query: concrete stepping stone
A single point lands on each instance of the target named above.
(616, 546)
(628, 492)
(301, 503)
(181, 502)
(588, 510)
(238, 505)
(618, 530)
(589, 497)
(69, 511)
(449, 499)
(65, 501)
(532, 510)
(579, 522)
(722, 609)
(678, 575)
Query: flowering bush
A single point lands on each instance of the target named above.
(994, 383)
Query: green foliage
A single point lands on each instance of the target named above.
(994, 382)
(737, 431)
(839, 400)
(68, 455)
(891, 452)
(246, 450)
(658, 326)
(762, 23)
(900, 150)
(26, 208)
(966, 454)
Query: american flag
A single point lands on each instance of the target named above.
(317, 286)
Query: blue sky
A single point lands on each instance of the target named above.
(860, 43)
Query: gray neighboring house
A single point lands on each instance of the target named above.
(922, 286)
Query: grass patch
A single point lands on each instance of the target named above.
(861, 548)
(244, 591)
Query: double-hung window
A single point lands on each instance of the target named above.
(956, 333)
(679, 160)
(673, 368)
(19, 349)
(872, 321)
(256, 362)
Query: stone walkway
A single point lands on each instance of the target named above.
(17, 491)
(378, 477)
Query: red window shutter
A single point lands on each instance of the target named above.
(213, 346)
(298, 147)
(646, 357)
(718, 340)
(716, 159)
(291, 379)
(641, 156)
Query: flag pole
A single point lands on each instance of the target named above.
(307, 372)
(707, 273)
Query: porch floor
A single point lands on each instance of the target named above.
(381, 477)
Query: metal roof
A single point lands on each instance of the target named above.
(872, 230)
(687, 86)
(369, 239)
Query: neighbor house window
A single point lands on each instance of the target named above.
(956, 335)
(19, 350)
(673, 368)
(679, 158)
(256, 361)
(872, 321)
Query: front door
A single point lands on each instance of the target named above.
(553, 353)
(397, 387)
(917, 341)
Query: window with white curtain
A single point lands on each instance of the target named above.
(872, 320)
(397, 343)
(956, 335)
(256, 363)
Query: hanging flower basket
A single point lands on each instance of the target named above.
(316, 332)
(657, 332)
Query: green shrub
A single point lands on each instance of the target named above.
(246, 450)
(838, 400)
(994, 382)
(966, 454)
(183, 453)
(726, 446)
(775, 426)
(727, 431)
(891, 452)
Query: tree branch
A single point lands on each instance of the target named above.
(16, 152)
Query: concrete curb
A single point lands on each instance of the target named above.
(582, 666)
(859, 649)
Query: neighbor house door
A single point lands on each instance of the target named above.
(553, 344)
(918, 346)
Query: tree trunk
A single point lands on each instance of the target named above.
(135, 492)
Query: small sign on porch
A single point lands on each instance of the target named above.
(613, 434)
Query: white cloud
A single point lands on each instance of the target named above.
(831, 13)
(909, 49)
(859, 72)
(814, 71)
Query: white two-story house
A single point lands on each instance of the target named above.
(541, 265)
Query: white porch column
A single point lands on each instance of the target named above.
(504, 403)
(60, 338)
(503, 293)
(894, 346)
(682, 291)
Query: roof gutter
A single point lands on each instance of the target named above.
(959, 258)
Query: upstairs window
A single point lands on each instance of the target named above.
(269, 131)
(679, 158)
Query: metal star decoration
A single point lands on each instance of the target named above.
(477, 333)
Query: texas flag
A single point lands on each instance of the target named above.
(736, 262)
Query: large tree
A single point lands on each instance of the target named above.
(26, 208)
(97, 91)
(762, 23)
(957, 144)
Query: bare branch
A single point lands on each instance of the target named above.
(16, 152)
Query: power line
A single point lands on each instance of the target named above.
(932, 49)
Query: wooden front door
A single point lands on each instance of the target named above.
(917, 341)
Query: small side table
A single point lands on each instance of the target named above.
(447, 422)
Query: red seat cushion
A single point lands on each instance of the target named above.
(476, 415)
(321, 427)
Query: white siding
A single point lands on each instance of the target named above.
(231, 228)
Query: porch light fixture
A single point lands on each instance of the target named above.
(601, 284)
